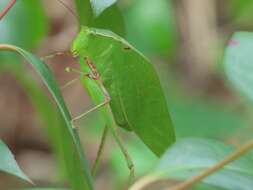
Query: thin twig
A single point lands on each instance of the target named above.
(100, 151)
(233, 156)
(7, 8)
(145, 181)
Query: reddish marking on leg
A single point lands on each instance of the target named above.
(94, 74)
(90, 75)
(233, 43)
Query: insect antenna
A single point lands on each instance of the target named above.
(60, 53)
(69, 9)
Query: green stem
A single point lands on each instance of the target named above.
(100, 151)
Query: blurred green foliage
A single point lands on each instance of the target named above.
(241, 11)
(144, 160)
(16, 27)
(110, 18)
(189, 156)
(202, 118)
(25, 25)
(150, 26)
(238, 62)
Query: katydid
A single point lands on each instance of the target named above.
(120, 72)
(125, 88)
(132, 84)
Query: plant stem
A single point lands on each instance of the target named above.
(144, 181)
(233, 156)
(7, 47)
(100, 151)
(7, 8)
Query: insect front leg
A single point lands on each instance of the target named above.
(112, 125)
(70, 69)
(93, 76)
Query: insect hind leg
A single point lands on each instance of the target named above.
(70, 69)
(117, 137)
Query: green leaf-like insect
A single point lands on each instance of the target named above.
(114, 72)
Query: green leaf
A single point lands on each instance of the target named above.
(137, 98)
(48, 114)
(75, 161)
(110, 18)
(195, 118)
(99, 6)
(84, 11)
(189, 156)
(150, 26)
(88, 8)
(238, 61)
(241, 11)
(8, 163)
(230, 123)
(16, 26)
